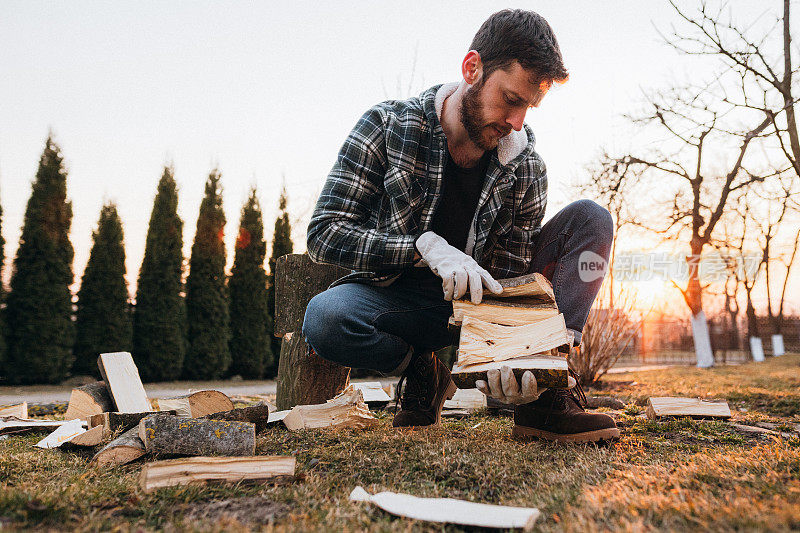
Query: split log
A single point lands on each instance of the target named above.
(483, 342)
(533, 285)
(374, 395)
(305, 378)
(278, 416)
(346, 410)
(19, 411)
(122, 450)
(123, 381)
(201, 470)
(197, 404)
(170, 434)
(692, 407)
(118, 422)
(12, 424)
(257, 415)
(513, 312)
(88, 400)
(466, 399)
(92, 437)
(549, 371)
(297, 280)
(63, 434)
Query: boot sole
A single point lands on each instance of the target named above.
(526, 433)
(451, 390)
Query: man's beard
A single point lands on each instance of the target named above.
(471, 115)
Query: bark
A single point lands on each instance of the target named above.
(169, 434)
(305, 378)
(257, 415)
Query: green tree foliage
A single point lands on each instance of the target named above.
(3, 373)
(251, 329)
(281, 245)
(39, 306)
(103, 322)
(207, 354)
(158, 335)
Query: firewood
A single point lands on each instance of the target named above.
(20, 410)
(304, 377)
(466, 399)
(63, 434)
(483, 342)
(170, 434)
(256, 414)
(549, 371)
(201, 470)
(92, 437)
(692, 407)
(118, 422)
(374, 395)
(13, 424)
(534, 285)
(88, 400)
(346, 410)
(197, 404)
(122, 450)
(123, 381)
(506, 312)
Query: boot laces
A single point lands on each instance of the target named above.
(411, 393)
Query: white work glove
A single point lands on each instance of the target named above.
(459, 272)
(503, 386)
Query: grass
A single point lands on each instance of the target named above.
(678, 474)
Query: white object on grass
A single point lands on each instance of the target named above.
(702, 340)
(64, 433)
(757, 349)
(777, 345)
(449, 510)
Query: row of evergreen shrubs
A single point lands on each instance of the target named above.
(211, 327)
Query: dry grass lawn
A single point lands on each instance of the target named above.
(667, 475)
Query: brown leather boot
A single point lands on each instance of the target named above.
(557, 415)
(427, 386)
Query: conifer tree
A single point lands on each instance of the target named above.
(103, 321)
(207, 353)
(281, 245)
(158, 331)
(3, 372)
(250, 343)
(39, 306)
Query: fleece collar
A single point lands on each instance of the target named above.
(508, 147)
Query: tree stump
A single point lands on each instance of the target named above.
(303, 378)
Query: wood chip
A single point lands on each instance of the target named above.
(345, 410)
(692, 407)
(194, 470)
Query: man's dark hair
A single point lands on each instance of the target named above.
(524, 36)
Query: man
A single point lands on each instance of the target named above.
(440, 195)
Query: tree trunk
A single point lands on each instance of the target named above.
(702, 340)
(305, 378)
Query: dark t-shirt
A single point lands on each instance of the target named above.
(461, 189)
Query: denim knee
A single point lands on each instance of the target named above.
(597, 220)
(321, 324)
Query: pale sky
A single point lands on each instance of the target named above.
(267, 90)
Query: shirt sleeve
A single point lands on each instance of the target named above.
(339, 231)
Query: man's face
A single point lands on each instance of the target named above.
(492, 107)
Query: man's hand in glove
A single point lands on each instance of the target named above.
(459, 272)
(502, 385)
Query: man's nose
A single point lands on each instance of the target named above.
(517, 117)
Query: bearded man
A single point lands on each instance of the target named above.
(443, 194)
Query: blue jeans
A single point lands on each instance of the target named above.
(379, 328)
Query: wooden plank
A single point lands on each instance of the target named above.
(693, 407)
(170, 434)
(12, 424)
(201, 470)
(533, 285)
(483, 342)
(278, 416)
(122, 450)
(549, 371)
(466, 399)
(373, 393)
(507, 313)
(123, 381)
(63, 434)
(297, 280)
(346, 410)
(449, 510)
(197, 404)
(19, 410)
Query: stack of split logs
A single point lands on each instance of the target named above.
(520, 328)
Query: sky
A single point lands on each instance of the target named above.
(267, 92)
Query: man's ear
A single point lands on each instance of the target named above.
(472, 67)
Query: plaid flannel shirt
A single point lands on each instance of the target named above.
(386, 183)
